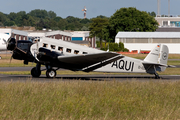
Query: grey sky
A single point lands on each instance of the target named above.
(64, 8)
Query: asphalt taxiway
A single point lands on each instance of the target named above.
(99, 77)
(42, 78)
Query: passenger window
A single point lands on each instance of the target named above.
(85, 53)
(60, 48)
(45, 45)
(76, 52)
(53, 46)
(68, 50)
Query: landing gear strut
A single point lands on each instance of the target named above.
(155, 73)
(156, 76)
(36, 72)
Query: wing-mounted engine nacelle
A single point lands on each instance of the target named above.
(47, 55)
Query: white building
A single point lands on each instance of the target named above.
(71, 36)
(147, 40)
(168, 21)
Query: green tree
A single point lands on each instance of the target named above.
(3, 18)
(12, 16)
(31, 21)
(85, 21)
(153, 14)
(9, 23)
(51, 14)
(57, 19)
(130, 19)
(101, 16)
(96, 28)
(39, 13)
(62, 24)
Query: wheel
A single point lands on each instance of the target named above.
(157, 77)
(51, 73)
(35, 73)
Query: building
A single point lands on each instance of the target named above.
(168, 21)
(145, 41)
(78, 37)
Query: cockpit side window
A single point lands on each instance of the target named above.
(85, 53)
(60, 48)
(76, 51)
(68, 50)
(45, 45)
(53, 46)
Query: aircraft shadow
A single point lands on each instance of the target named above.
(88, 78)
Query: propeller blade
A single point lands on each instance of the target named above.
(10, 60)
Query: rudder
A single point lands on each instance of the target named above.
(164, 55)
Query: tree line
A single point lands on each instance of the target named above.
(45, 19)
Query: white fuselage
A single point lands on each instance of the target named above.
(126, 64)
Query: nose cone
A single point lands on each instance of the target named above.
(11, 44)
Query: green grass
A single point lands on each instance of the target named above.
(90, 100)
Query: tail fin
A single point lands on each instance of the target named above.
(153, 56)
(158, 57)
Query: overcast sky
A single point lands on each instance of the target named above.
(64, 8)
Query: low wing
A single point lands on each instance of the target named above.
(82, 61)
(86, 62)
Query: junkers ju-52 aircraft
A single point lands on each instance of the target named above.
(55, 54)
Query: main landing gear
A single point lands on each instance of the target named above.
(155, 73)
(36, 71)
(156, 76)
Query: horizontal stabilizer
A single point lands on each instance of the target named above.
(171, 66)
(156, 64)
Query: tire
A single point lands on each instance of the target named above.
(35, 73)
(51, 73)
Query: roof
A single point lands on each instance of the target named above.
(168, 29)
(148, 35)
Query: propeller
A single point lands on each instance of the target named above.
(11, 45)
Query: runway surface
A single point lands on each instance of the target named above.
(100, 77)
(43, 78)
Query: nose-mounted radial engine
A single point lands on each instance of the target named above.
(21, 50)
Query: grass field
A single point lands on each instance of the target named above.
(90, 100)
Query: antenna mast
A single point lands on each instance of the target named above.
(158, 6)
(168, 8)
(84, 11)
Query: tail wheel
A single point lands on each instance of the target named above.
(35, 72)
(51, 73)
